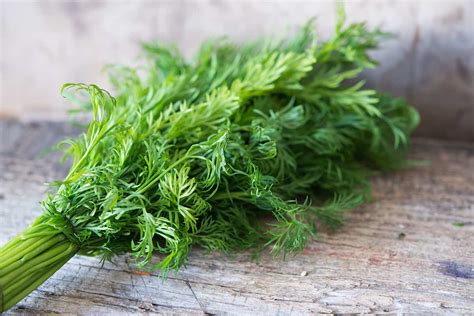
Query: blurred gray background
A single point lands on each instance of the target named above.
(44, 44)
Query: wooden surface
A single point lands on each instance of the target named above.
(411, 250)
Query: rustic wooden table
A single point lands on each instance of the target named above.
(411, 250)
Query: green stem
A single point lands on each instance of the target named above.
(26, 262)
(28, 252)
(27, 266)
(231, 195)
(31, 242)
(22, 283)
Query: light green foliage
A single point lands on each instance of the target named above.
(246, 146)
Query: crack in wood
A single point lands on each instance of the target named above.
(197, 300)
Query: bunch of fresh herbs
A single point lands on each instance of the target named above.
(204, 152)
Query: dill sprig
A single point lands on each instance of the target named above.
(246, 146)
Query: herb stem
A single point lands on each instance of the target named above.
(231, 195)
(28, 261)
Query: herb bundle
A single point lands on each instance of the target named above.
(204, 152)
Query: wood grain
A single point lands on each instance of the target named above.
(408, 251)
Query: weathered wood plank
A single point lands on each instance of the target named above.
(405, 252)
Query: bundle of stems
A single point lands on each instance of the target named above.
(203, 152)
